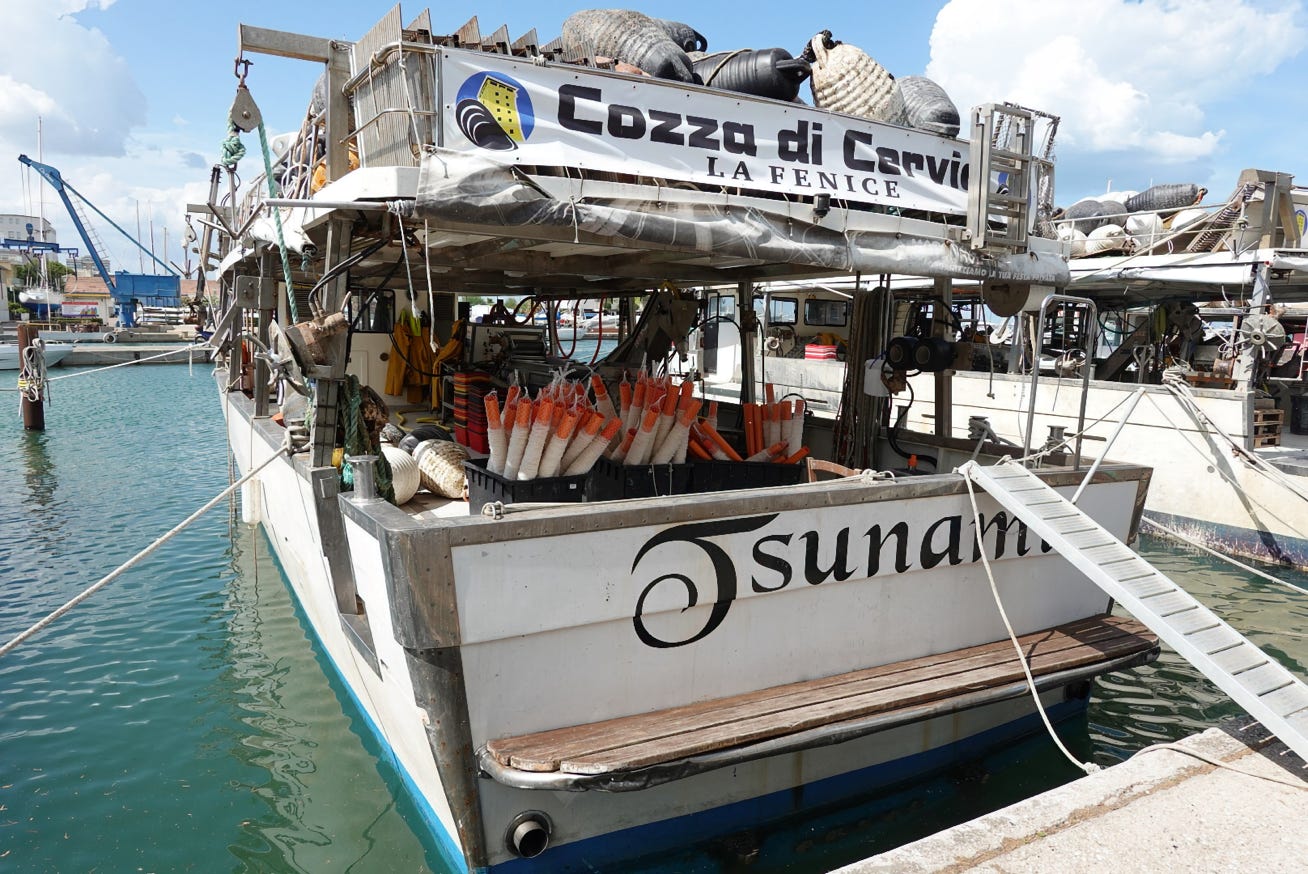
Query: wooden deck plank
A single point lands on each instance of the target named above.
(768, 726)
(959, 674)
(572, 741)
(771, 712)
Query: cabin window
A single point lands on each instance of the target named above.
(781, 310)
(371, 311)
(826, 313)
(723, 306)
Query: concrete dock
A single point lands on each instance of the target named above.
(103, 354)
(1160, 811)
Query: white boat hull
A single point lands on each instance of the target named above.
(10, 358)
(546, 641)
(1198, 485)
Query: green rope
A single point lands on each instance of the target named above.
(233, 150)
(359, 442)
(277, 221)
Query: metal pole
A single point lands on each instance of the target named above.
(1091, 336)
(1090, 474)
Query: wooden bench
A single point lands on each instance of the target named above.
(647, 739)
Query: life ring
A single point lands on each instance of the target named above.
(110, 337)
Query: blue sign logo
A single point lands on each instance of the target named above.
(494, 111)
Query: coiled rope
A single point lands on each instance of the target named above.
(136, 559)
(32, 382)
(359, 441)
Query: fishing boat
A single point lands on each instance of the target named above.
(570, 684)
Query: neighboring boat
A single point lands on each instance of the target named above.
(1207, 323)
(597, 327)
(10, 357)
(565, 685)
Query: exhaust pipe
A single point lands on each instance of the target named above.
(529, 834)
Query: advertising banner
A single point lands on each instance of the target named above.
(557, 116)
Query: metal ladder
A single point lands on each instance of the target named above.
(1253, 679)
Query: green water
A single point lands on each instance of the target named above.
(181, 720)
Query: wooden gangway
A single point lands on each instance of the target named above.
(1252, 678)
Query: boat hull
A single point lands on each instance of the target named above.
(10, 358)
(1200, 488)
(483, 628)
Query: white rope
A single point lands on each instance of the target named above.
(1087, 767)
(1218, 763)
(186, 349)
(134, 560)
(1227, 558)
(1174, 383)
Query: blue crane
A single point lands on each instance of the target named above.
(125, 288)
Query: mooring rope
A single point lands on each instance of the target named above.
(193, 347)
(136, 559)
(1087, 767)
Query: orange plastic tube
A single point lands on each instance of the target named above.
(718, 439)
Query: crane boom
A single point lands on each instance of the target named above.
(63, 189)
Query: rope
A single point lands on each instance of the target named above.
(134, 560)
(1173, 381)
(190, 348)
(1087, 767)
(277, 222)
(232, 149)
(1227, 558)
(32, 382)
(358, 441)
(1218, 763)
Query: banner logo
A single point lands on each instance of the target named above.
(494, 111)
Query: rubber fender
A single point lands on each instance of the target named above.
(690, 39)
(630, 36)
(928, 106)
(1170, 196)
(846, 79)
(421, 434)
(773, 73)
(1086, 215)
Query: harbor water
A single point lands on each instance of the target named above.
(183, 720)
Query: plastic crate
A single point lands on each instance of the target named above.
(721, 476)
(611, 482)
(485, 487)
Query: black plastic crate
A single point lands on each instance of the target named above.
(721, 476)
(485, 487)
(609, 481)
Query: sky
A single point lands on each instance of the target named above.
(133, 94)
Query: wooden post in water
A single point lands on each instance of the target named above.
(33, 404)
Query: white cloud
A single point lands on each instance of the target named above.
(54, 67)
(1124, 76)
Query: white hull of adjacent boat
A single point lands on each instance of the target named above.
(10, 358)
(1198, 484)
(548, 641)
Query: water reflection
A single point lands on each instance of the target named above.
(324, 805)
(39, 477)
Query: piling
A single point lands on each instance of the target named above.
(31, 381)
